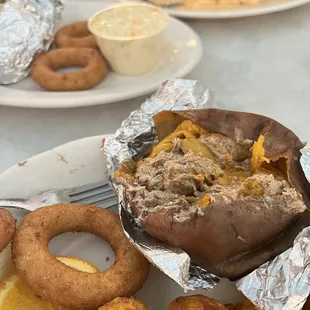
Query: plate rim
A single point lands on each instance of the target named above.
(27, 99)
(56, 148)
(231, 14)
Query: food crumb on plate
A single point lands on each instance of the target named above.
(22, 163)
(61, 158)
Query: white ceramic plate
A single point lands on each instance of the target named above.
(258, 10)
(181, 54)
(84, 162)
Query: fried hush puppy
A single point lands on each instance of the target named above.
(247, 305)
(200, 302)
(123, 303)
(233, 307)
(7, 228)
(58, 283)
(196, 302)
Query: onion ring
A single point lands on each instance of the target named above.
(94, 69)
(75, 35)
(123, 303)
(54, 281)
(7, 228)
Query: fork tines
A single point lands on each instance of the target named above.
(94, 193)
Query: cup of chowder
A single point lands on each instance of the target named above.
(130, 36)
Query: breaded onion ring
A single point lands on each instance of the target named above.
(197, 302)
(123, 303)
(7, 228)
(75, 35)
(56, 282)
(43, 69)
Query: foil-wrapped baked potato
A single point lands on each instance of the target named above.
(226, 187)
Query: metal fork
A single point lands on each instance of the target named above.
(99, 193)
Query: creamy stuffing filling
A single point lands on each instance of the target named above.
(187, 182)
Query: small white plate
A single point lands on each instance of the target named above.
(278, 6)
(182, 53)
(77, 163)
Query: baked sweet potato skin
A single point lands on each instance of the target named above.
(231, 240)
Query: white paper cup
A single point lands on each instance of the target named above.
(130, 55)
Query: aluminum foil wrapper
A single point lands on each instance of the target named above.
(279, 284)
(305, 160)
(283, 283)
(136, 135)
(27, 27)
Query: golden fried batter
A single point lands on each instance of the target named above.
(123, 303)
(75, 35)
(7, 228)
(233, 307)
(56, 282)
(247, 305)
(196, 302)
(93, 69)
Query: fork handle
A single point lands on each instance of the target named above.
(14, 203)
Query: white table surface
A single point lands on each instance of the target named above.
(259, 64)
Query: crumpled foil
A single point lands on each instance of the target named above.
(137, 134)
(27, 27)
(305, 160)
(281, 283)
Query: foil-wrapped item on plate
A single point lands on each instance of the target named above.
(305, 160)
(136, 135)
(27, 27)
(283, 283)
(278, 284)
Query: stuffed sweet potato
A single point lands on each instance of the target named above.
(226, 187)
